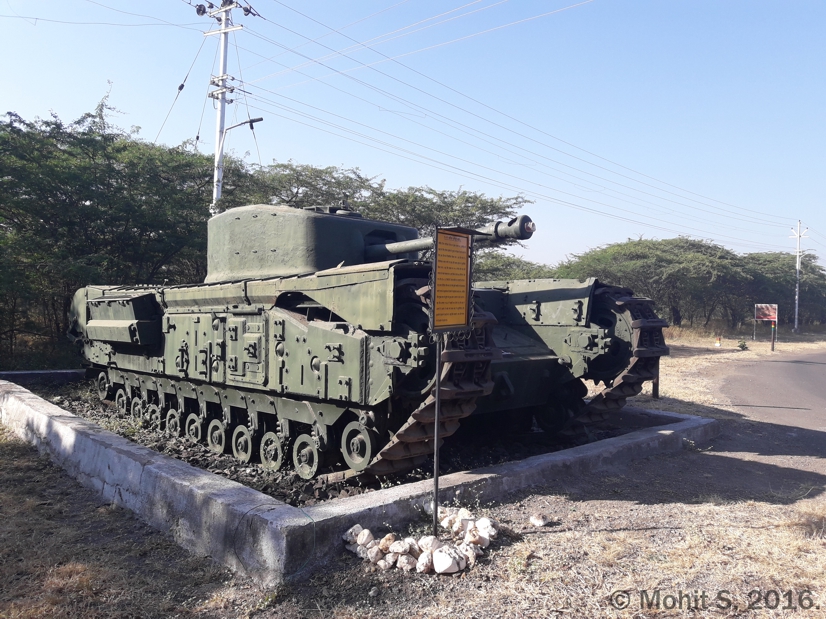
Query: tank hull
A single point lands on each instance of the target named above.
(332, 372)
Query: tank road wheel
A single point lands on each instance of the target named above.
(271, 451)
(306, 457)
(563, 406)
(137, 409)
(174, 427)
(242, 444)
(358, 445)
(217, 436)
(153, 416)
(194, 428)
(104, 387)
(122, 402)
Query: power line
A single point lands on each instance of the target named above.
(396, 137)
(91, 23)
(180, 87)
(507, 115)
(128, 13)
(323, 36)
(408, 154)
(246, 102)
(387, 34)
(453, 123)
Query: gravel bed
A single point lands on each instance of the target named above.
(477, 444)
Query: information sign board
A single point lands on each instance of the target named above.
(765, 311)
(451, 281)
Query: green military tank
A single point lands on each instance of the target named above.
(307, 345)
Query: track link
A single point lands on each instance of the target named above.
(465, 377)
(648, 345)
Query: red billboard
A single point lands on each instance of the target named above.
(765, 311)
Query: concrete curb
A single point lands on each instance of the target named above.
(271, 541)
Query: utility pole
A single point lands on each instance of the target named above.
(224, 14)
(798, 236)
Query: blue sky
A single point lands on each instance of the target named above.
(620, 119)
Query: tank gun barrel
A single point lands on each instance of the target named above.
(517, 229)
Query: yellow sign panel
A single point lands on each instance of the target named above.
(451, 281)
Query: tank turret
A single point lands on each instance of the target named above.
(263, 241)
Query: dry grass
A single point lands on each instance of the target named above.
(64, 554)
(709, 519)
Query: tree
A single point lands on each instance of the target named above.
(687, 278)
(87, 202)
(492, 265)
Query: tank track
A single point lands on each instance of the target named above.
(648, 345)
(465, 377)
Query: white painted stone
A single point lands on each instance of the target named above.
(400, 547)
(386, 541)
(444, 511)
(407, 563)
(464, 514)
(353, 548)
(391, 558)
(424, 565)
(351, 535)
(429, 543)
(448, 560)
(383, 565)
(371, 543)
(413, 547)
(486, 527)
(538, 520)
(448, 521)
(362, 552)
(474, 536)
(374, 555)
(469, 553)
(364, 537)
(460, 526)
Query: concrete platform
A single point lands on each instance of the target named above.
(271, 541)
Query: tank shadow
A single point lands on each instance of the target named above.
(749, 461)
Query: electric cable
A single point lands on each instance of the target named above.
(513, 118)
(180, 87)
(432, 113)
(90, 23)
(671, 210)
(206, 98)
(246, 102)
(390, 95)
(387, 34)
(397, 137)
(413, 156)
(323, 36)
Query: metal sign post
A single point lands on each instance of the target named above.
(436, 421)
(450, 307)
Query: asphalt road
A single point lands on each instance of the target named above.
(789, 389)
